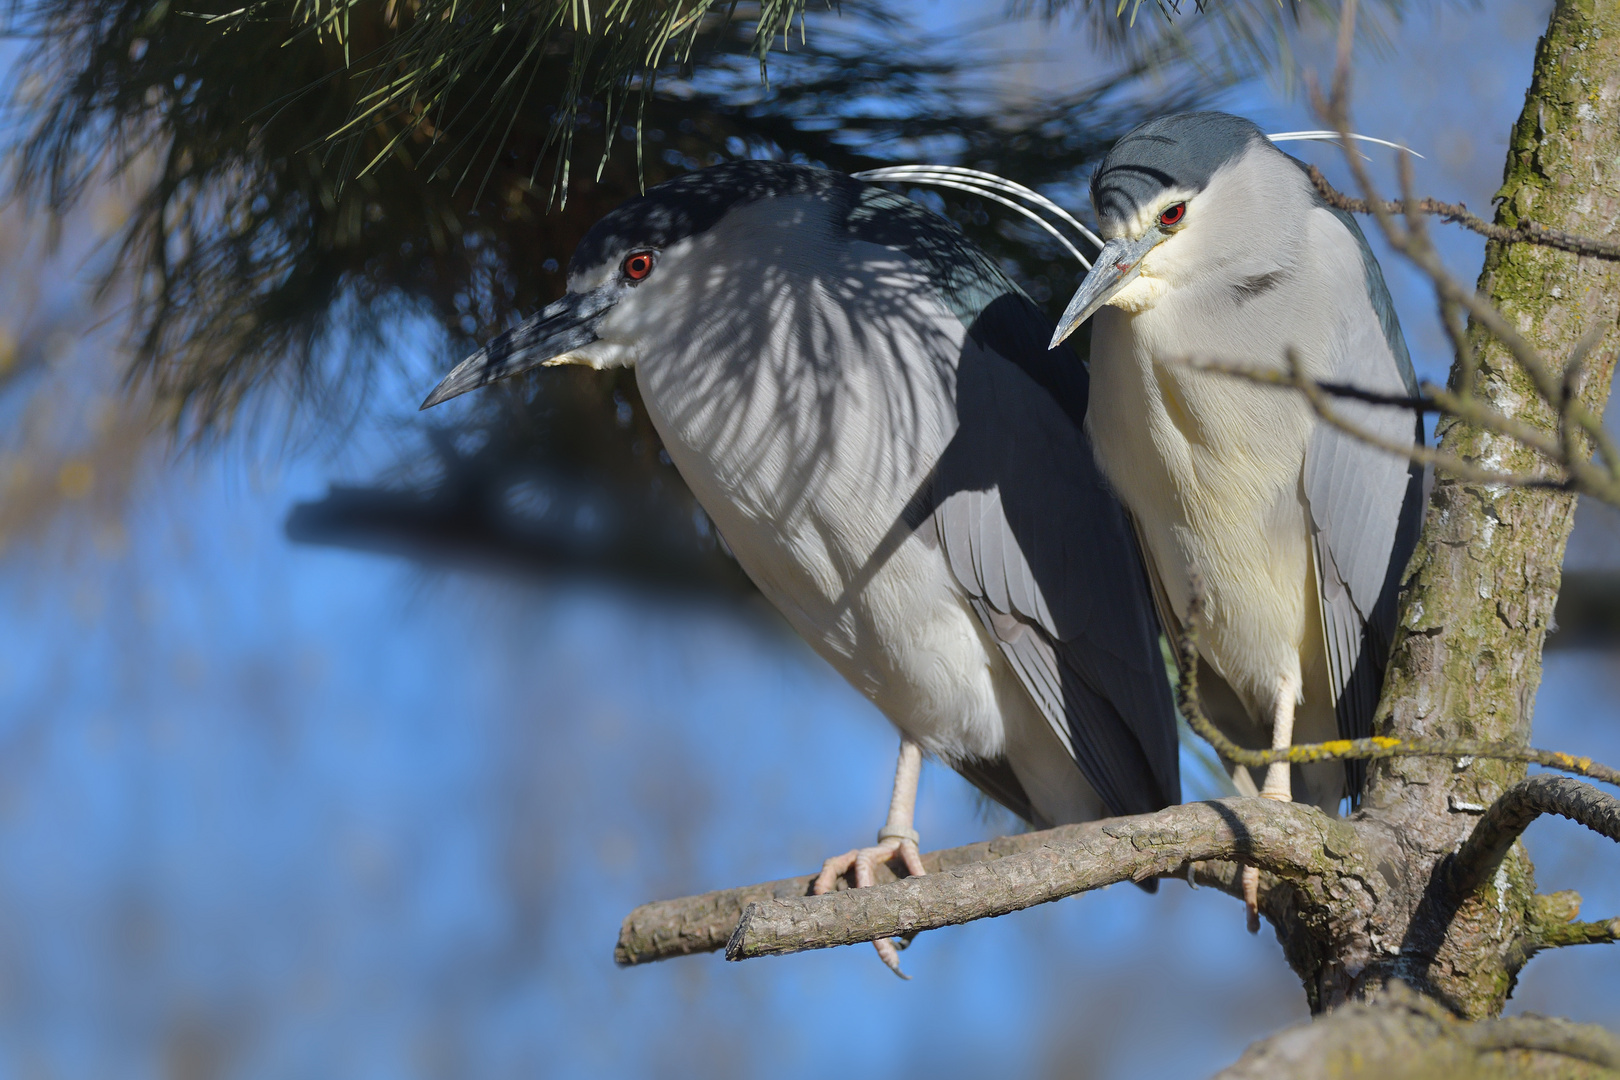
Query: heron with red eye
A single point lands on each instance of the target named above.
(638, 265)
(1172, 215)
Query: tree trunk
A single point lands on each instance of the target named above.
(1482, 585)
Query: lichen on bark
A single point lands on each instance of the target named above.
(1482, 585)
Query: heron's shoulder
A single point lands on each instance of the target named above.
(997, 313)
(1377, 289)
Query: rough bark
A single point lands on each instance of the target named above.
(1479, 857)
(1408, 1037)
(705, 923)
(698, 924)
(1481, 588)
(1325, 863)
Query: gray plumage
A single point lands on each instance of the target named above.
(1219, 248)
(867, 408)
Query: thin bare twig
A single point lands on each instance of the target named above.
(1430, 398)
(1527, 232)
(1463, 349)
(1376, 747)
(1413, 242)
(1318, 395)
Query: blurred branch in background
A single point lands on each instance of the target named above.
(74, 440)
(534, 486)
(1236, 37)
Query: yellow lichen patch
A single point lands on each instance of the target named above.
(1336, 746)
(75, 479)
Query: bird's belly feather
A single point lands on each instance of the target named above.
(1211, 488)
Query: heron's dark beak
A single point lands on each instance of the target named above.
(558, 329)
(1117, 265)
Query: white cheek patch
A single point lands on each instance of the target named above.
(598, 355)
(1141, 294)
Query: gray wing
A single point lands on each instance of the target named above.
(1365, 505)
(1048, 561)
(1031, 533)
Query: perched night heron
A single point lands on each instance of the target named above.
(1219, 248)
(867, 408)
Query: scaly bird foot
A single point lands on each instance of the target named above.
(863, 862)
(1251, 874)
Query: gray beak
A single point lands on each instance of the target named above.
(559, 328)
(1116, 267)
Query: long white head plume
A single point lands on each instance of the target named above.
(1333, 136)
(1001, 190)
(992, 187)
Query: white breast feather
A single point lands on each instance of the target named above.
(1211, 465)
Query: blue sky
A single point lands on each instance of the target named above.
(277, 811)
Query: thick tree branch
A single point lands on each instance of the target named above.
(1510, 815)
(1403, 1036)
(1290, 840)
(704, 923)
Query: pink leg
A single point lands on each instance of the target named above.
(897, 835)
(1279, 782)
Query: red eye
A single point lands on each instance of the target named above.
(1173, 214)
(638, 266)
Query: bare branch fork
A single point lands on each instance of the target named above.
(1431, 398)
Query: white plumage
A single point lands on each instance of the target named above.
(1220, 250)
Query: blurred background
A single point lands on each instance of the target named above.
(336, 740)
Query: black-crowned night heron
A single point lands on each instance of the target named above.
(1219, 248)
(867, 408)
